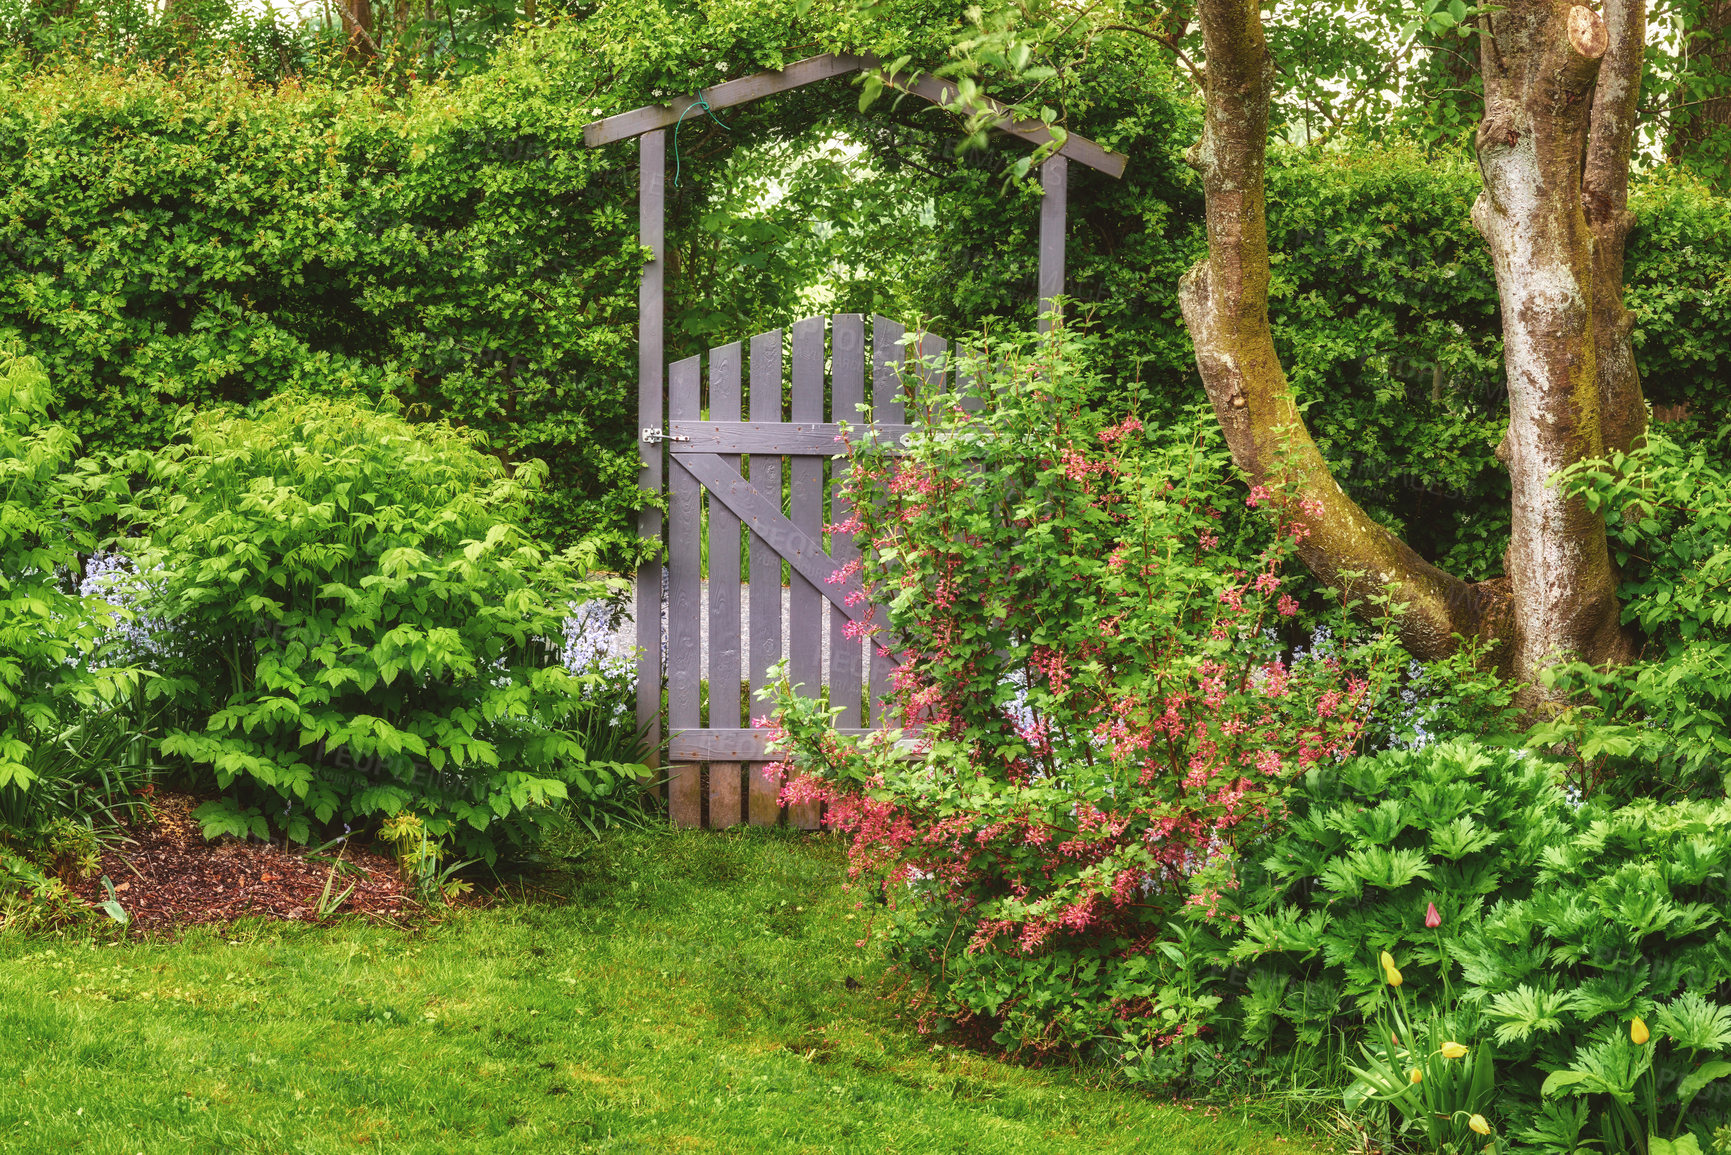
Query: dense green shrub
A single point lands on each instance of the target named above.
(194, 239)
(47, 632)
(353, 623)
(1659, 724)
(66, 754)
(1556, 923)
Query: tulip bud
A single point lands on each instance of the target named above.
(1415, 1076)
(1432, 918)
(1453, 1051)
(1638, 1031)
(1388, 970)
(1478, 1124)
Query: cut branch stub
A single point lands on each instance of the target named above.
(1587, 32)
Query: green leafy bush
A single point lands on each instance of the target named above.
(1658, 725)
(1558, 925)
(46, 631)
(358, 625)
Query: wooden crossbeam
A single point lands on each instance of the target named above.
(1077, 148)
(725, 95)
(731, 93)
(813, 439)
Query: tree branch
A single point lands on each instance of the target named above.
(1225, 304)
(1605, 197)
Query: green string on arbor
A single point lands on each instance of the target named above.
(702, 103)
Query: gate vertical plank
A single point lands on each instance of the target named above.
(765, 595)
(806, 604)
(684, 605)
(651, 234)
(847, 393)
(726, 800)
(1054, 205)
(934, 364)
(971, 400)
(888, 357)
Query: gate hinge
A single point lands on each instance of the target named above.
(654, 435)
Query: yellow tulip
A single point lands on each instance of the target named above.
(1638, 1031)
(1388, 969)
(1416, 1076)
(1453, 1051)
(1477, 1123)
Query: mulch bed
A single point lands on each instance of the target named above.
(168, 875)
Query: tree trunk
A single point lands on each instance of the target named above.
(1225, 304)
(1540, 65)
(1561, 88)
(1605, 199)
(357, 16)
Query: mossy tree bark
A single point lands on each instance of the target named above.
(1225, 304)
(1561, 86)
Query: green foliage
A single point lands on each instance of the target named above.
(1368, 845)
(1658, 724)
(360, 626)
(1559, 928)
(46, 632)
(196, 240)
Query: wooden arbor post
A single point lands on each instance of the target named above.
(649, 124)
(1054, 212)
(651, 302)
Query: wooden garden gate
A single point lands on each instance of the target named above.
(767, 473)
(726, 465)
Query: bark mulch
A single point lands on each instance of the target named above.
(168, 875)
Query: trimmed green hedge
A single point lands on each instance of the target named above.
(195, 239)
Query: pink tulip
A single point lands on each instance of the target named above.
(1431, 918)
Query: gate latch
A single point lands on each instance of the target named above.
(654, 435)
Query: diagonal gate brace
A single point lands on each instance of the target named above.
(802, 551)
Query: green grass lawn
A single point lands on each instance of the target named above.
(688, 992)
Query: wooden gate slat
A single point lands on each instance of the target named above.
(933, 365)
(806, 613)
(847, 394)
(684, 636)
(888, 356)
(726, 786)
(765, 595)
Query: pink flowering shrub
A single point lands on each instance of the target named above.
(1096, 700)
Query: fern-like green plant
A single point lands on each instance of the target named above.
(363, 627)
